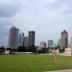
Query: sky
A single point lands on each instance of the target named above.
(48, 18)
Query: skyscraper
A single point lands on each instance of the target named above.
(50, 43)
(13, 37)
(31, 36)
(64, 39)
(21, 39)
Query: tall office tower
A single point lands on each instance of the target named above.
(21, 39)
(64, 39)
(13, 37)
(31, 36)
(26, 43)
(50, 43)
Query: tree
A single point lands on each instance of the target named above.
(2, 49)
(21, 49)
(61, 50)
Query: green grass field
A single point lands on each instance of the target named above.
(33, 63)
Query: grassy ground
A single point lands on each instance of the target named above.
(33, 63)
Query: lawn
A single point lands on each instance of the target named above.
(33, 63)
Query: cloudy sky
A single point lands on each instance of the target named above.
(47, 17)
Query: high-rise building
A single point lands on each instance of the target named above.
(31, 37)
(21, 39)
(26, 43)
(50, 43)
(13, 37)
(64, 39)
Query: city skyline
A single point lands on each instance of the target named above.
(48, 18)
(17, 38)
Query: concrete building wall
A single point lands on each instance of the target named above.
(64, 39)
(31, 37)
(13, 37)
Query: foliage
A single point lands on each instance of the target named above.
(61, 50)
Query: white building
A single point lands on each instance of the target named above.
(68, 51)
(42, 44)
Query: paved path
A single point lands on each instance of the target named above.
(68, 70)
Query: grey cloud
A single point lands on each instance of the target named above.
(3, 35)
(67, 12)
(7, 10)
(58, 4)
(68, 6)
(5, 24)
(54, 6)
(67, 3)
